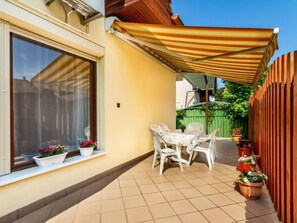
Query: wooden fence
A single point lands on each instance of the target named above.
(273, 129)
(220, 120)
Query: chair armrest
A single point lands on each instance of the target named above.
(204, 139)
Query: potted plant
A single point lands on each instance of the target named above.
(250, 181)
(50, 155)
(86, 147)
(236, 134)
(251, 160)
(245, 148)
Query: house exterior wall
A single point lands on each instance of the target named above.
(144, 88)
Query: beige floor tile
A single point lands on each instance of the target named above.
(161, 210)
(112, 205)
(160, 179)
(188, 176)
(207, 190)
(95, 218)
(64, 220)
(259, 207)
(134, 201)
(154, 198)
(126, 176)
(95, 197)
(182, 206)
(217, 215)
(222, 187)
(211, 180)
(165, 186)
(270, 218)
(251, 220)
(202, 203)
(113, 185)
(197, 182)
(144, 181)
(237, 212)
(114, 216)
(181, 184)
(235, 196)
(111, 193)
(146, 189)
(130, 191)
(174, 177)
(190, 192)
(173, 219)
(220, 199)
(170, 170)
(128, 183)
(224, 178)
(88, 208)
(138, 214)
(65, 215)
(173, 195)
(194, 217)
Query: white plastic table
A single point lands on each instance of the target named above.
(180, 139)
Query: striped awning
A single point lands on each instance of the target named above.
(66, 73)
(235, 54)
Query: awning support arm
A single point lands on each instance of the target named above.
(232, 54)
(152, 46)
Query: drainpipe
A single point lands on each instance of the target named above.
(206, 104)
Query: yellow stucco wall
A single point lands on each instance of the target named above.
(144, 88)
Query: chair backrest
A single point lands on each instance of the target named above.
(159, 142)
(164, 127)
(157, 128)
(194, 128)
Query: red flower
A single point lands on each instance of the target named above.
(245, 167)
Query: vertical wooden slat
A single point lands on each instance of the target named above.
(273, 123)
(282, 172)
(288, 144)
(294, 128)
(277, 137)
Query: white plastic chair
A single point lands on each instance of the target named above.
(157, 128)
(166, 129)
(207, 138)
(194, 128)
(162, 150)
(205, 147)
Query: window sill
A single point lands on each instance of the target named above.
(34, 171)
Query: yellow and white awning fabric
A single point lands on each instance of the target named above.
(235, 54)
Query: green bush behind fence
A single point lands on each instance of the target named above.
(220, 120)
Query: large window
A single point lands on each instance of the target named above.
(53, 96)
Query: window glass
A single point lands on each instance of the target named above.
(51, 98)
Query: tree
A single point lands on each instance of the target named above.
(238, 96)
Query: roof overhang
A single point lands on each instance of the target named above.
(235, 54)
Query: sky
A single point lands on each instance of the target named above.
(280, 14)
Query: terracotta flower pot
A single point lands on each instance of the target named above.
(236, 138)
(245, 151)
(250, 190)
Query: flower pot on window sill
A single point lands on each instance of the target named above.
(50, 160)
(236, 138)
(88, 151)
(250, 190)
